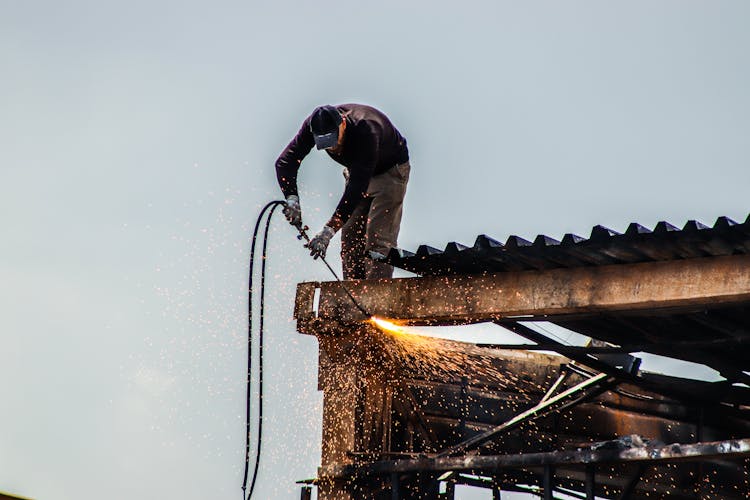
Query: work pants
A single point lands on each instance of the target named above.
(374, 225)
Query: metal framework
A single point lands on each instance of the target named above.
(408, 418)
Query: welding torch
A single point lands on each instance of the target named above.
(303, 235)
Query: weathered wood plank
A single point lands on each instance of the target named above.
(534, 294)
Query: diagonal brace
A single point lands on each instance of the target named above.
(539, 410)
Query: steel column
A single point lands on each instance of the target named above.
(548, 483)
(590, 482)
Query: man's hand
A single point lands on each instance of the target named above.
(292, 210)
(320, 241)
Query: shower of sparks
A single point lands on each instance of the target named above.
(424, 356)
(388, 326)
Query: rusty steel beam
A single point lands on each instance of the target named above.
(729, 449)
(698, 282)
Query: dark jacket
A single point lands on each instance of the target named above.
(371, 146)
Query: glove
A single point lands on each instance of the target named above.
(292, 210)
(320, 241)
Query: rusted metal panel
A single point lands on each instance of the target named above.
(340, 396)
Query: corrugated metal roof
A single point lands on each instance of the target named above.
(604, 246)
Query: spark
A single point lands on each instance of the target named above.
(388, 326)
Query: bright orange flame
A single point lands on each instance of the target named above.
(387, 325)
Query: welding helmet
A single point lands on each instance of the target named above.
(324, 125)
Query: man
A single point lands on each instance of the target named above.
(376, 162)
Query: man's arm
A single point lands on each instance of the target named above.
(289, 160)
(360, 174)
(359, 178)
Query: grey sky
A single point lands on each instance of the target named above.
(137, 142)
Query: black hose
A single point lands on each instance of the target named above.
(273, 206)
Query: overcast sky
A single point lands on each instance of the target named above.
(137, 142)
